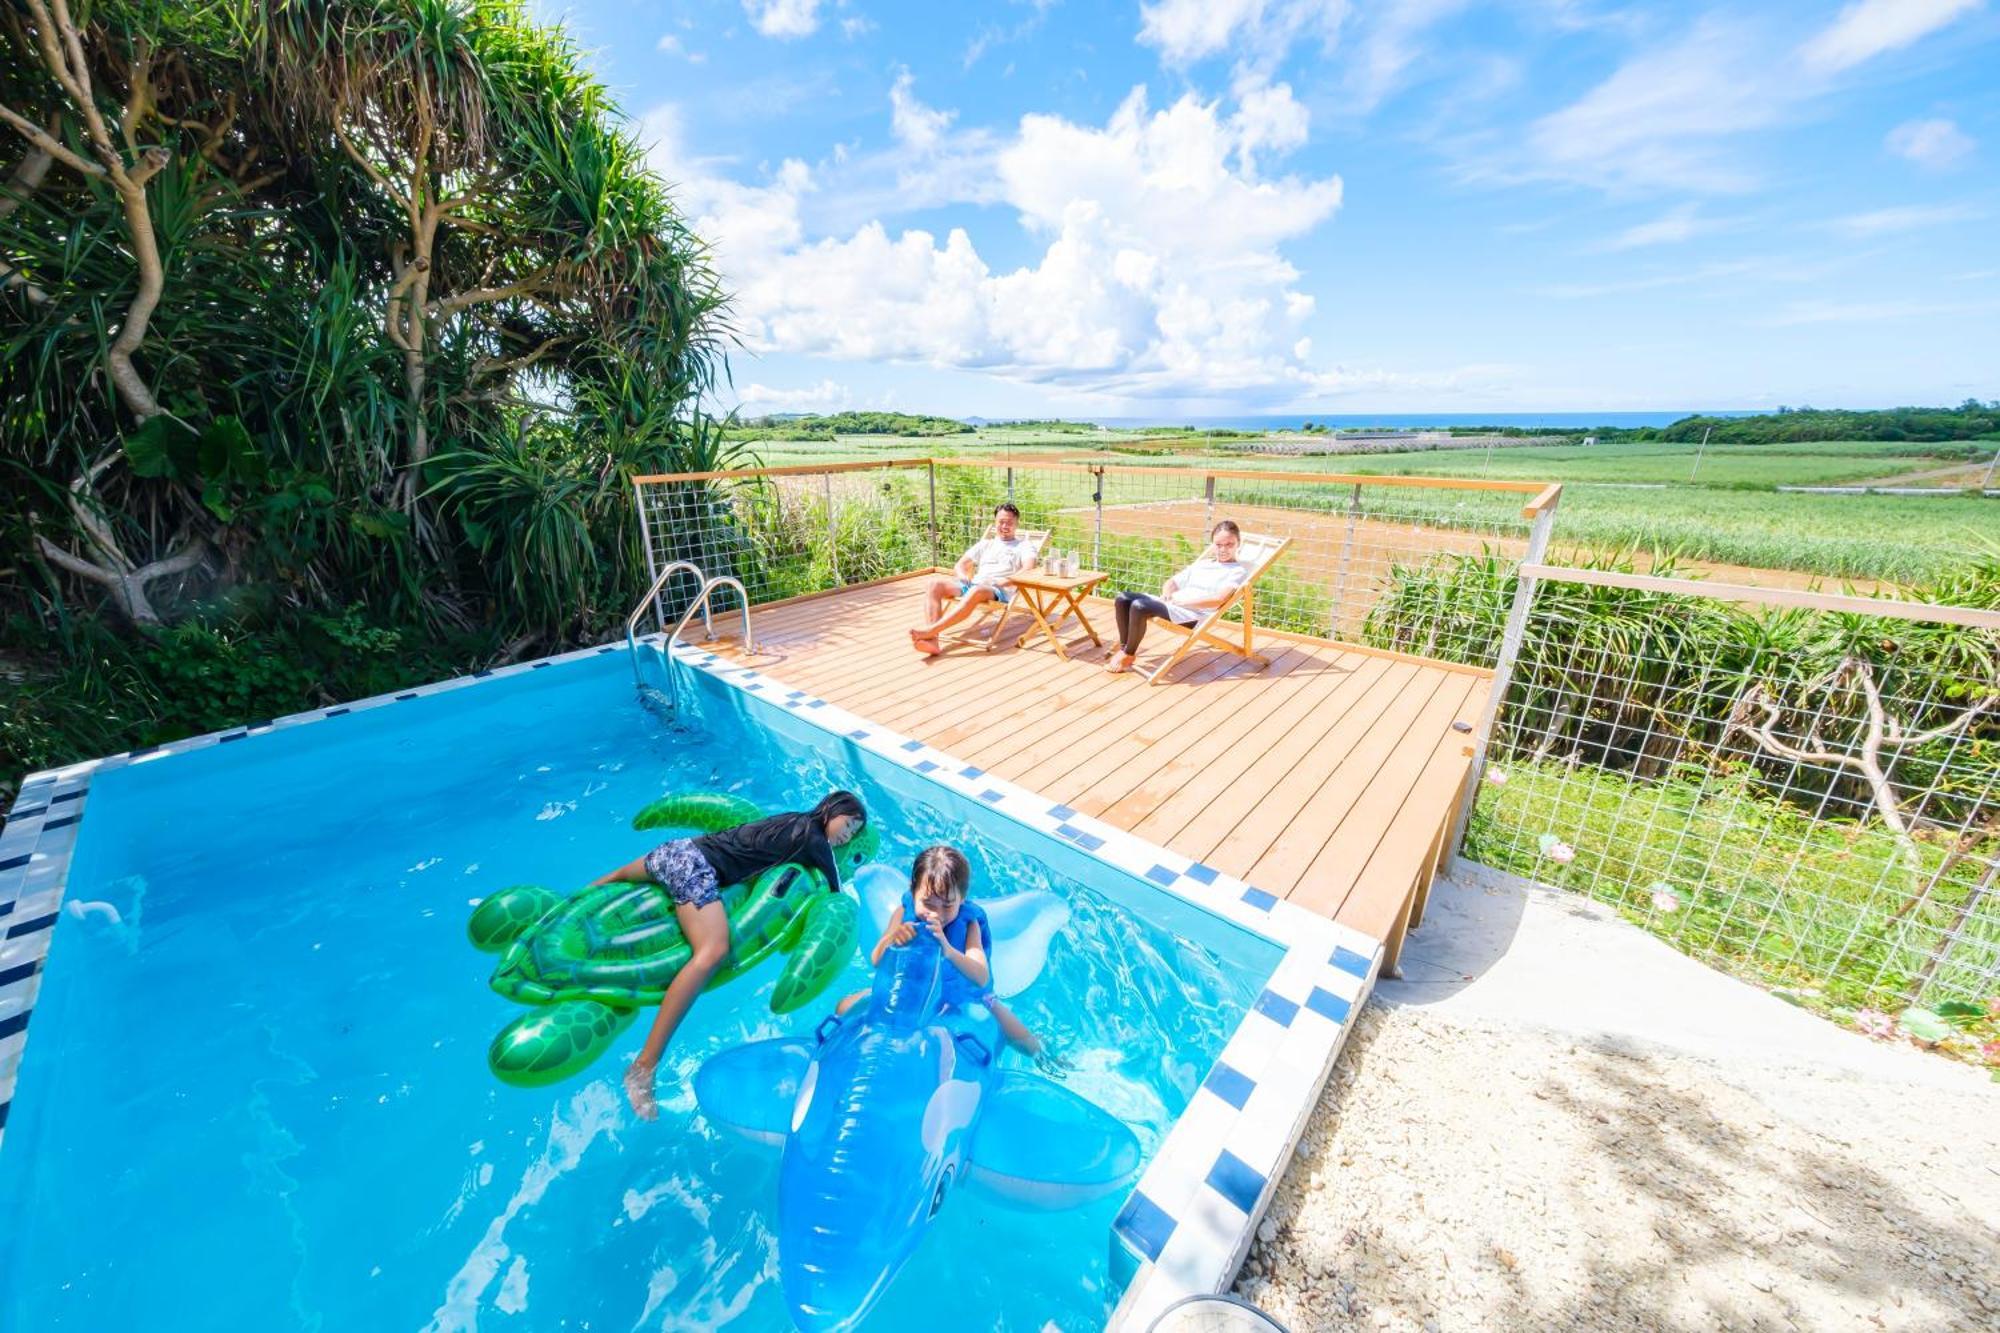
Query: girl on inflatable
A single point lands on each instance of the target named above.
(694, 872)
(940, 898)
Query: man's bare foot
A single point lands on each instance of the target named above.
(928, 647)
(639, 1091)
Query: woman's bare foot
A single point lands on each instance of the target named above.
(1119, 662)
(639, 1091)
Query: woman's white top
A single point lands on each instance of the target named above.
(1206, 579)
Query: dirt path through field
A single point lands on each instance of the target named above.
(1956, 477)
(1322, 553)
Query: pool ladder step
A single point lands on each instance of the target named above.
(651, 697)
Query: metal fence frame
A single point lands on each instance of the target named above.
(1960, 960)
(1364, 536)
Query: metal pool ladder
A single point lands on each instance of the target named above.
(662, 702)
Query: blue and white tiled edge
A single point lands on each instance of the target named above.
(41, 829)
(1189, 1220)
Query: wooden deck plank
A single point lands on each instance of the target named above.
(1376, 895)
(1190, 736)
(1378, 755)
(1325, 774)
(1358, 819)
(1170, 799)
(1269, 789)
(1101, 773)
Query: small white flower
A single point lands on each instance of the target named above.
(1497, 776)
(1666, 900)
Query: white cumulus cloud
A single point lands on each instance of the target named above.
(1185, 30)
(911, 121)
(1929, 143)
(825, 396)
(1868, 28)
(1159, 266)
(783, 18)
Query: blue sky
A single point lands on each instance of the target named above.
(1189, 207)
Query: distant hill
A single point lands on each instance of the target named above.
(808, 426)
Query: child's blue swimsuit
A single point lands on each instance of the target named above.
(958, 988)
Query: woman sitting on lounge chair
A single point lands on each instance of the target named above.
(1187, 597)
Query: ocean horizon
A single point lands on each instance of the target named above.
(1410, 420)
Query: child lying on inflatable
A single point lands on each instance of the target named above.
(891, 1105)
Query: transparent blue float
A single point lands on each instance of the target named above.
(884, 1113)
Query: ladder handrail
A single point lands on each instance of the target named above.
(652, 594)
(700, 603)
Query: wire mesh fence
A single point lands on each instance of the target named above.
(1806, 793)
(786, 532)
(1353, 540)
(1798, 788)
(790, 531)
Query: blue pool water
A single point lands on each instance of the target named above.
(260, 1100)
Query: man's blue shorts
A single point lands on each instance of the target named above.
(999, 594)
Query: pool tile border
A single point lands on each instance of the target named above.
(1189, 1220)
(42, 827)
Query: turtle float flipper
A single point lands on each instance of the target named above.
(501, 917)
(548, 1044)
(819, 951)
(704, 811)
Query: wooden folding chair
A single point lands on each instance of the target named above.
(1035, 539)
(1258, 552)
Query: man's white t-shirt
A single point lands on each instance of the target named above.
(995, 558)
(1206, 579)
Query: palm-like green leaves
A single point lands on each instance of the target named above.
(573, 325)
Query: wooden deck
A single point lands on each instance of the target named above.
(1328, 776)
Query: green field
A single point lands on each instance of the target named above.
(1617, 496)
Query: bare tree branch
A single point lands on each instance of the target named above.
(52, 146)
(451, 305)
(1898, 736)
(27, 178)
(128, 588)
(507, 365)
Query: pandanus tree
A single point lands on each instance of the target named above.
(279, 278)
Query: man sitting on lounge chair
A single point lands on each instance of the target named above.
(984, 574)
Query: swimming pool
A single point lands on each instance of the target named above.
(257, 1095)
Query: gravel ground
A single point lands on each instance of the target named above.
(1467, 1175)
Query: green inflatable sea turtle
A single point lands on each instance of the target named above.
(591, 959)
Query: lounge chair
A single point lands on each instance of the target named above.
(1259, 552)
(1036, 540)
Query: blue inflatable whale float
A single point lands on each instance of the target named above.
(884, 1113)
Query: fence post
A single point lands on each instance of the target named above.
(1503, 674)
(832, 530)
(934, 529)
(1097, 533)
(652, 563)
(1208, 511)
(1010, 484)
(1346, 557)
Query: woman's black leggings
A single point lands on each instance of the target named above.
(1133, 610)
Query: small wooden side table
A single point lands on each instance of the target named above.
(1052, 599)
